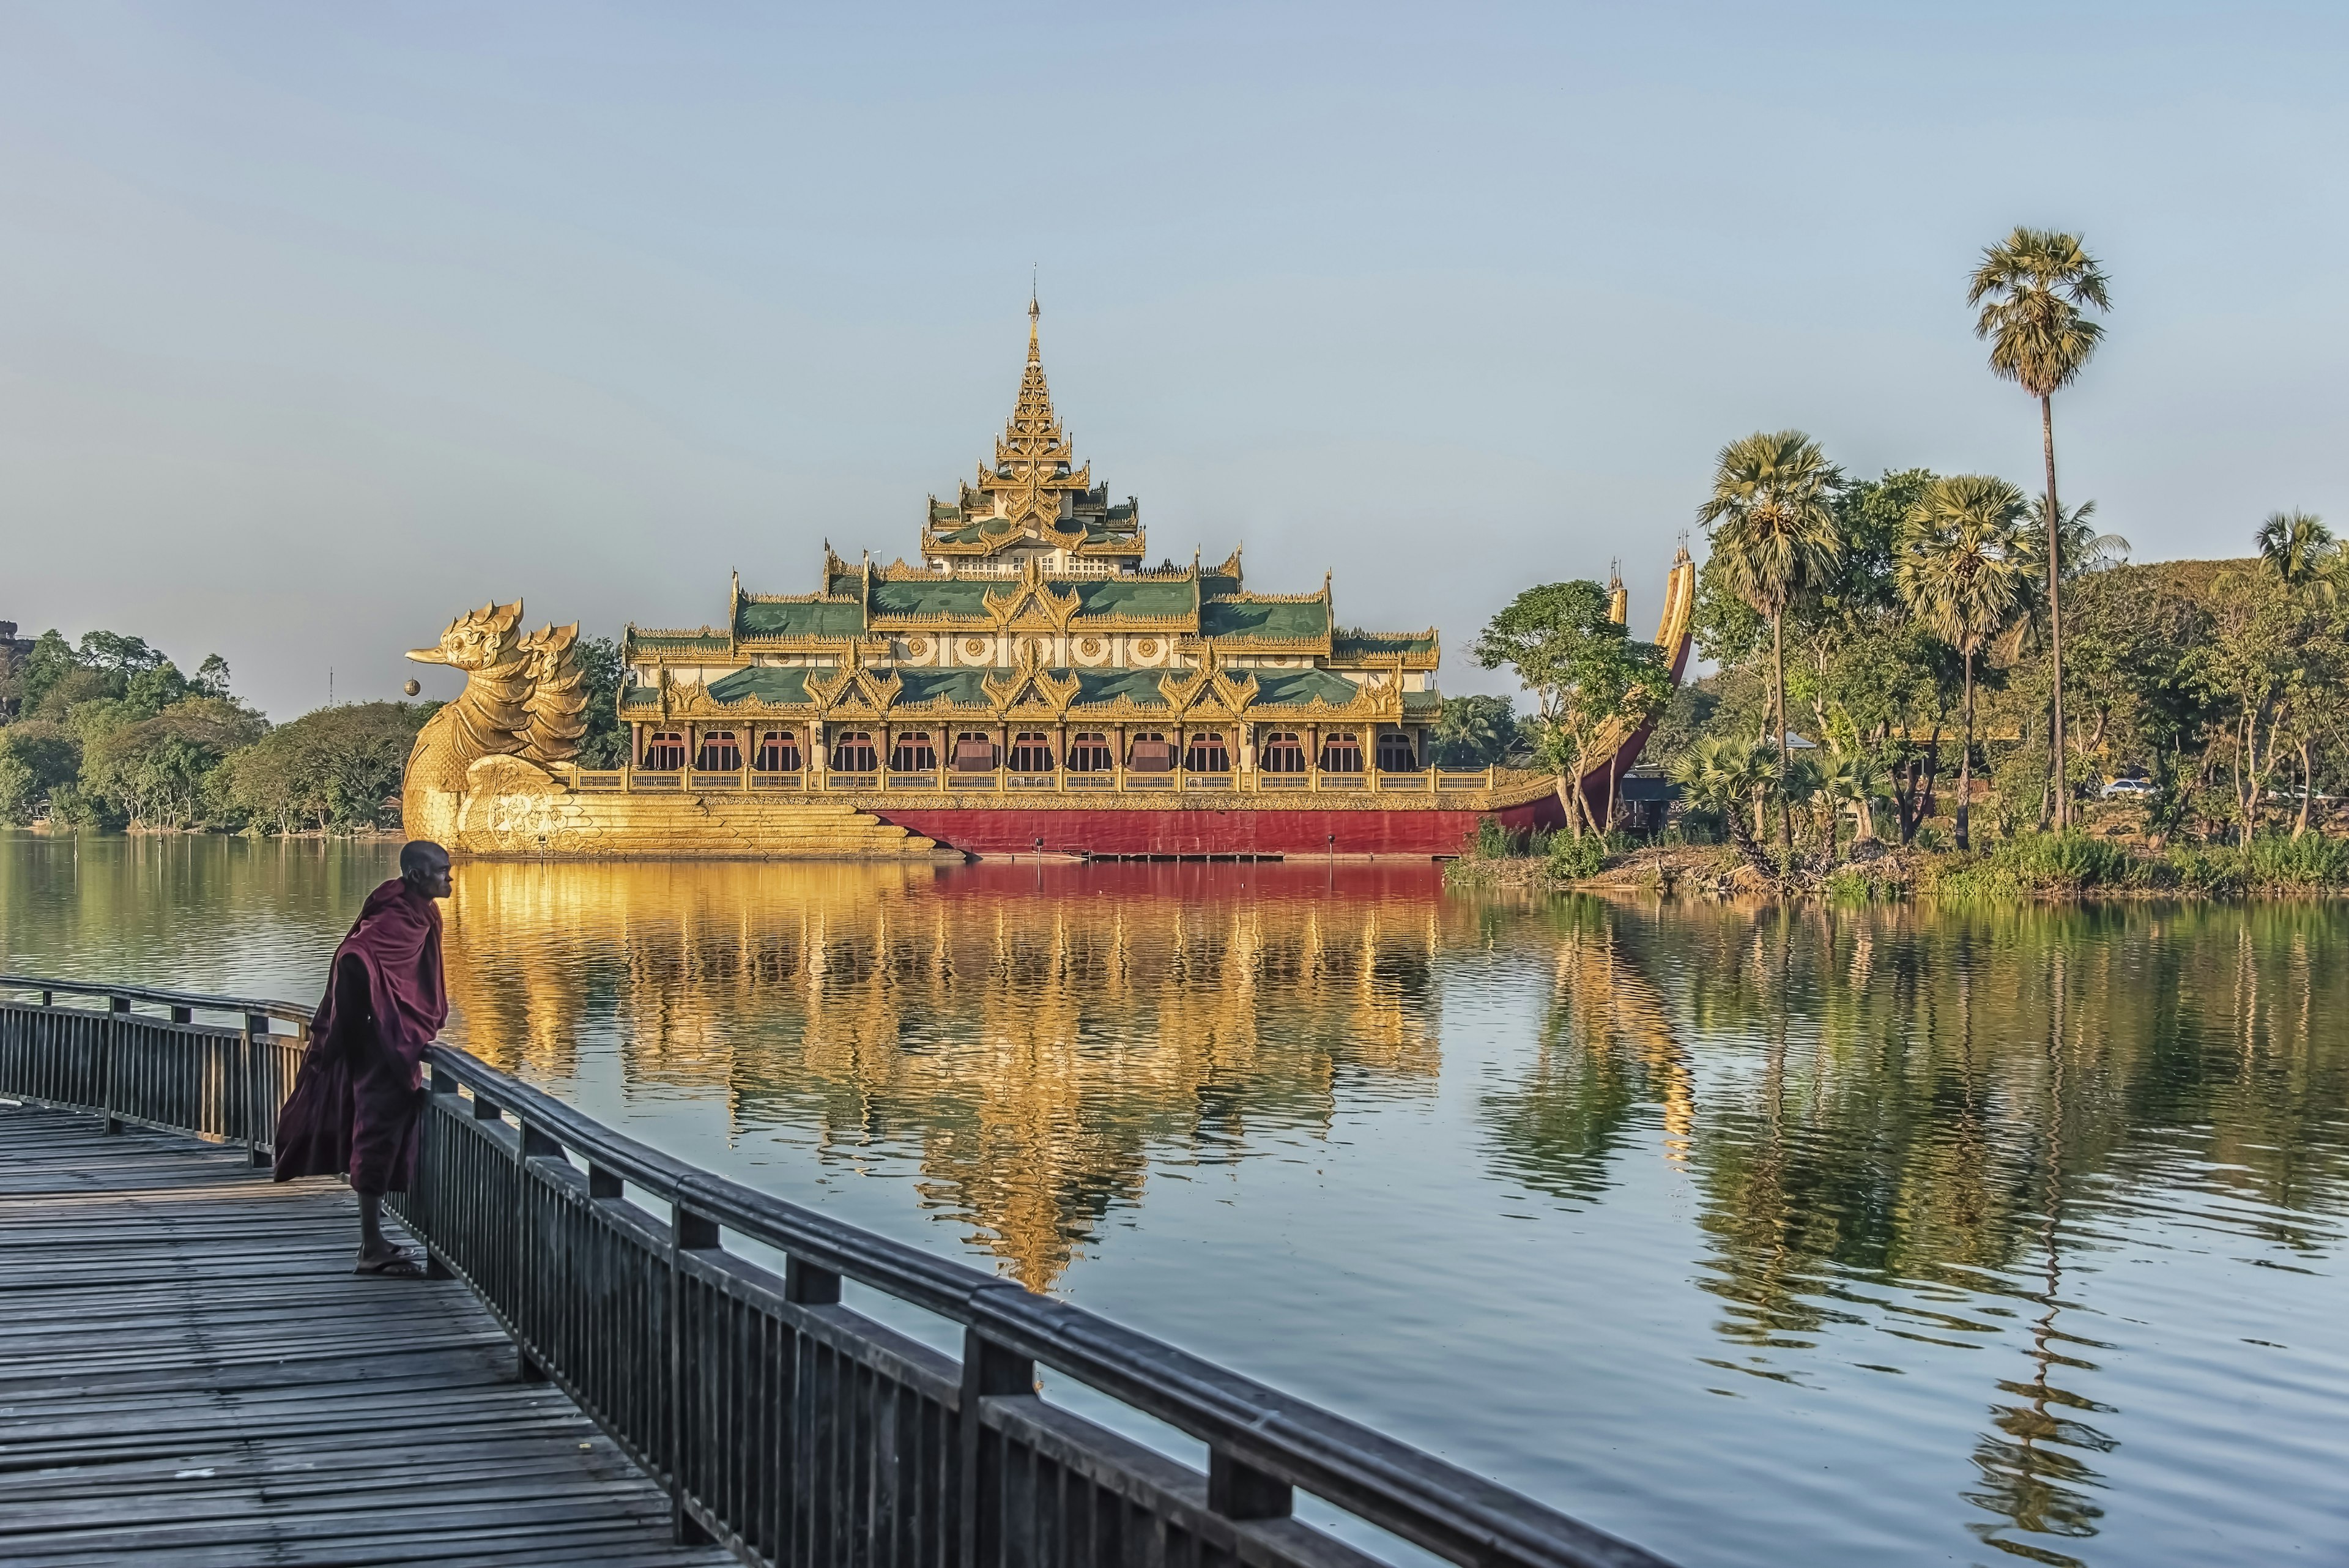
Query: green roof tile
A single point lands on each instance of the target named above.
(941, 596)
(1296, 688)
(798, 617)
(1282, 620)
(778, 685)
(1139, 687)
(965, 686)
(1158, 596)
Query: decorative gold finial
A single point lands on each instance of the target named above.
(1034, 312)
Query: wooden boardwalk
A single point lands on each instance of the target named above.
(191, 1375)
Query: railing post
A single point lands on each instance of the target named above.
(1241, 1491)
(688, 1232)
(256, 1028)
(117, 1008)
(444, 1083)
(987, 1370)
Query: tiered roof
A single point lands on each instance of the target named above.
(1035, 495)
(1034, 548)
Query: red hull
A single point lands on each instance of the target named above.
(983, 830)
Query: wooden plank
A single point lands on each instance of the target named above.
(190, 1372)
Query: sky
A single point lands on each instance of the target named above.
(319, 324)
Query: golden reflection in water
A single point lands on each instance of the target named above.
(1035, 1031)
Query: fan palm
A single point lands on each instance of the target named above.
(1773, 530)
(1960, 572)
(1857, 780)
(2030, 287)
(1730, 777)
(2299, 553)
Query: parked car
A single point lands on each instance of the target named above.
(2130, 789)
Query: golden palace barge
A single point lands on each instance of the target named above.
(1028, 687)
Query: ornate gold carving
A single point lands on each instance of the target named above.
(974, 647)
(917, 647)
(1146, 648)
(488, 717)
(558, 695)
(1090, 648)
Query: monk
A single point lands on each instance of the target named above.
(356, 1101)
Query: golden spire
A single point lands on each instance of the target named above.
(1034, 461)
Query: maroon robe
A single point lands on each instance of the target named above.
(354, 1102)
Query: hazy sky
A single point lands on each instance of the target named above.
(319, 323)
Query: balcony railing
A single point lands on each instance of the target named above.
(1002, 779)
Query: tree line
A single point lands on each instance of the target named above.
(108, 732)
(1953, 645)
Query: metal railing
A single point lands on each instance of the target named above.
(792, 1429)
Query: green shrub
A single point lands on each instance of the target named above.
(2307, 862)
(1573, 859)
(2065, 862)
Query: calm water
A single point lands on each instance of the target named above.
(1848, 1238)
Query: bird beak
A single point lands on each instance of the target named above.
(428, 656)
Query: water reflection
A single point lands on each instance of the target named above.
(1904, 1234)
(1029, 1034)
(1920, 1125)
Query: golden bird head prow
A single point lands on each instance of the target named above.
(476, 639)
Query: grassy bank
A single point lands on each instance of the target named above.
(2028, 866)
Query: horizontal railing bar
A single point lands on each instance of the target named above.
(258, 1007)
(1387, 1483)
(937, 1284)
(1261, 1440)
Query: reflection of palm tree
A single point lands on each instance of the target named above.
(2031, 1483)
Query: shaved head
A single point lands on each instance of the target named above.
(424, 866)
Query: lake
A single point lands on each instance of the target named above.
(1756, 1236)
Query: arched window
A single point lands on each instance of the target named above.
(974, 752)
(1150, 753)
(1280, 751)
(851, 753)
(1342, 753)
(779, 751)
(1089, 752)
(1207, 753)
(1395, 752)
(912, 752)
(664, 750)
(721, 752)
(1032, 751)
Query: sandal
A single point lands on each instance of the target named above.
(396, 1266)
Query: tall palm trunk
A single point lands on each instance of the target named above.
(2307, 788)
(1778, 687)
(2055, 757)
(1966, 762)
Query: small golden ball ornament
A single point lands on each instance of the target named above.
(411, 688)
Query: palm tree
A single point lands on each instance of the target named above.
(2299, 553)
(2030, 288)
(2081, 550)
(1773, 530)
(1857, 780)
(1960, 573)
(1730, 777)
